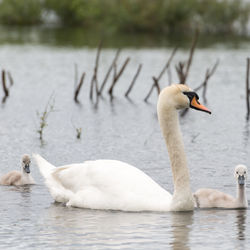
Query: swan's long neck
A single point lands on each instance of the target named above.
(169, 122)
(241, 196)
(23, 171)
(25, 175)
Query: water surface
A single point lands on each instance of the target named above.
(126, 130)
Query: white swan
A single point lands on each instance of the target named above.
(212, 198)
(115, 185)
(17, 178)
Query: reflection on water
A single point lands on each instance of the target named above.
(181, 227)
(109, 229)
(241, 223)
(246, 133)
(114, 228)
(27, 213)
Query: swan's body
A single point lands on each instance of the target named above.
(212, 198)
(104, 184)
(21, 177)
(109, 184)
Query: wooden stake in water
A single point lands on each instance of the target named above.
(248, 88)
(78, 88)
(133, 81)
(94, 81)
(5, 89)
(117, 76)
(157, 79)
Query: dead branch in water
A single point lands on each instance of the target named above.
(133, 81)
(5, 89)
(117, 76)
(180, 71)
(10, 78)
(78, 88)
(94, 81)
(109, 71)
(208, 74)
(166, 65)
(156, 80)
(248, 88)
(183, 68)
(203, 86)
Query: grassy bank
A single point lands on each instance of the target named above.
(147, 16)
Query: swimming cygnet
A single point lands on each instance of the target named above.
(211, 198)
(17, 178)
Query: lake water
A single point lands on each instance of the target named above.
(126, 130)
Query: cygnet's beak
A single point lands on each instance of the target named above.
(27, 168)
(241, 180)
(196, 105)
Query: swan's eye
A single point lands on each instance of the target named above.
(191, 95)
(237, 172)
(245, 172)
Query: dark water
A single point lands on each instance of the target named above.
(126, 130)
(79, 37)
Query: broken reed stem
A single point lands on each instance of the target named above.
(78, 88)
(155, 84)
(204, 90)
(167, 64)
(122, 69)
(182, 68)
(117, 76)
(189, 62)
(180, 72)
(94, 78)
(5, 89)
(248, 88)
(133, 81)
(156, 80)
(208, 74)
(10, 78)
(149, 93)
(109, 71)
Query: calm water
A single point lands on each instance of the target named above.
(126, 130)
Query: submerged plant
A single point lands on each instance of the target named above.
(77, 129)
(78, 133)
(44, 116)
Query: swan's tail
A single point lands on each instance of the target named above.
(57, 191)
(44, 166)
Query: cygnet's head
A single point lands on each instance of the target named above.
(180, 96)
(26, 163)
(240, 174)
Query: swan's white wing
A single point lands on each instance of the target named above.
(108, 184)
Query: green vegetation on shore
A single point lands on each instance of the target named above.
(158, 16)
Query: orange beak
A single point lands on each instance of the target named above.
(196, 105)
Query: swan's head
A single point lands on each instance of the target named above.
(26, 163)
(180, 96)
(240, 174)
